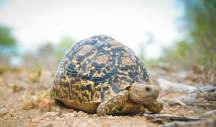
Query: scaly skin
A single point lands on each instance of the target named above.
(155, 107)
(114, 104)
(121, 104)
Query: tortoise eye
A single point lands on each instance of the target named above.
(147, 89)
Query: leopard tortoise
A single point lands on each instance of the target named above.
(101, 75)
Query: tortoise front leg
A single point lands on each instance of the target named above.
(113, 105)
(155, 107)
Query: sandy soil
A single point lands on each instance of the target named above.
(23, 103)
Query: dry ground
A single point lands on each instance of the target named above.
(16, 87)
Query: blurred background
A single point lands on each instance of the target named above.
(171, 34)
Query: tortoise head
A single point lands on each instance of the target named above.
(143, 93)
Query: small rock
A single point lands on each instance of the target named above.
(52, 114)
(3, 111)
(80, 114)
(16, 87)
(69, 115)
(49, 124)
(28, 104)
(95, 115)
(56, 108)
(209, 115)
(46, 104)
(202, 98)
(110, 117)
(205, 123)
(39, 99)
(178, 87)
(173, 102)
(36, 119)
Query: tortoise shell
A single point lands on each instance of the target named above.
(96, 68)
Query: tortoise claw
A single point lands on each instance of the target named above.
(101, 110)
(155, 107)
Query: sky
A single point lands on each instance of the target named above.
(132, 22)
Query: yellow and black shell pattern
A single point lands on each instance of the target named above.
(95, 68)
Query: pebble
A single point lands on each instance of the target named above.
(95, 115)
(16, 87)
(51, 114)
(49, 124)
(36, 119)
(46, 104)
(3, 111)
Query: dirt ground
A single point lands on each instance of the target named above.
(24, 102)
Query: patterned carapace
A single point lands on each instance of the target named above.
(95, 67)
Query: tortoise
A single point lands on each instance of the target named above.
(101, 75)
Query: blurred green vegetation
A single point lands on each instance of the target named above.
(64, 44)
(8, 46)
(199, 45)
(6, 38)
